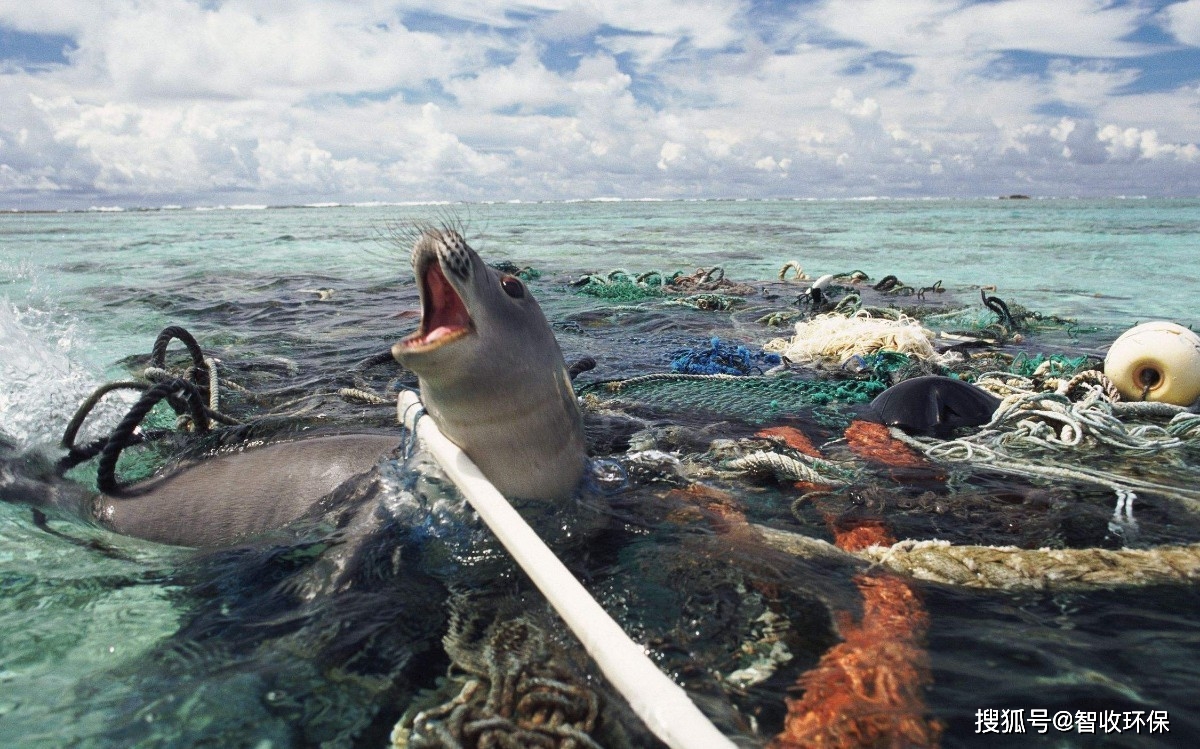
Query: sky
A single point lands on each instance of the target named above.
(186, 102)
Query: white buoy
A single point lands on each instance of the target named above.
(1156, 361)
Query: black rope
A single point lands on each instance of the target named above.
(158, 354)
(358, 374)
(77, 455)
(887, 283)
(383, 357)
(158, 358)
(85, 409)
(580, 366)
(124, 435)
(997, 305)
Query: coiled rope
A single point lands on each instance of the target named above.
(1028, 421)
(123, 436)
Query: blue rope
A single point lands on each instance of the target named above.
(721, 358)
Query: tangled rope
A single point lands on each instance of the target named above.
(124, 434)
(516, 691)
(894, 286)
(363, 392)
(708, 302)
(836, 338)
(720, 358)
(707, 280)
(203, 367)
(620, 284)
(1027, 421)
(1031, 430)
(194, 396)
(852, 276)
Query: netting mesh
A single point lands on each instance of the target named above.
(750, 399)
(621, 291)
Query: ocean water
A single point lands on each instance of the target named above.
(109, 641)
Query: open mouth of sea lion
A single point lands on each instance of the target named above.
(444, 317)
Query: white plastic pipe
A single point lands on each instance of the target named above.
(657, 700)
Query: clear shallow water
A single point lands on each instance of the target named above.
(120, 642)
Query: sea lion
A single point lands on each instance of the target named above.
(228, 498)
(491, 373)
(934, 405)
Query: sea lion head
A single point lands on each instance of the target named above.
(491, 373)
(472, 315)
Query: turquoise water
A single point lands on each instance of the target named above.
(98, 638)
(1109, 262)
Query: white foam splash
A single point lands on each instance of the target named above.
(42, 380)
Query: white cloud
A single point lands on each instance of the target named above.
(340, 100)
(669, 154)
(1131, 143)
(525, 84)
(1183, 21)
(935, 28)
(844, 101)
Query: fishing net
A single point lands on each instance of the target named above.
(622, 286)
(621, 291)
(721, 358)
(750, 399)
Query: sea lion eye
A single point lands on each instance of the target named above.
(513, 287)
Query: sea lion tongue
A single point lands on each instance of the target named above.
(444, 317)
(448, 316)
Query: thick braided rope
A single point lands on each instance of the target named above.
(1008, 567)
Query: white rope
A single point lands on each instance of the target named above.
(786, 468)
(1027, 421)
(965, 451)
(661, 703)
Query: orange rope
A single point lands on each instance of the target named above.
(873, 442)
(793, 438)
(868, 690)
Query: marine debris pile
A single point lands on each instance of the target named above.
(1080, 453)
(756, 441)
